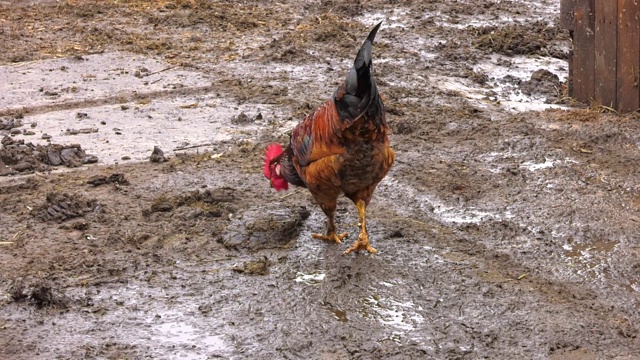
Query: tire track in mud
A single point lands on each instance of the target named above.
(124, 97)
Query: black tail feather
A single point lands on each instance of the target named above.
(359, 92)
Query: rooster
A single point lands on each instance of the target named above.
(341, 148)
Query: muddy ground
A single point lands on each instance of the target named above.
(502, 233)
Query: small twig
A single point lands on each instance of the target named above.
(192, 147)
(159, 71)
(6, 242)
(289, 194)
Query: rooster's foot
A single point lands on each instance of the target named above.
(332, 236)
(361, 244)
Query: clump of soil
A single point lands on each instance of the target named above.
(116, 178)
(254, 267)
(62, 206)
(521, 39)
(543, 83)
(39, 294)
(20, 157)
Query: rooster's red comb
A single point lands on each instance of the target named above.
(271, 152)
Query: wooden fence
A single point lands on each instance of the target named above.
(604, 65)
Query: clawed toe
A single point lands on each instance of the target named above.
(361, 244)
(337, 238)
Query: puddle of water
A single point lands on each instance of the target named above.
(310, 278)
(399, 315)
(429, 204)
(581, 250)
(181, 333)
(395, 18)
(532, 166)
(340, 315)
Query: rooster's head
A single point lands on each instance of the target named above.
(272, 167)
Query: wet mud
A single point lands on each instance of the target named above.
(507, 229)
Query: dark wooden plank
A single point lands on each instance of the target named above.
(566, 14)
(628, 55)
(606, 35)
(567, 8)
(584, 52)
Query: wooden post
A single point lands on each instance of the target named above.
(606, 52)
(567, 8)
(628, 55)
(584, 51)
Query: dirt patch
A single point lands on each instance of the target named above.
(536, 38)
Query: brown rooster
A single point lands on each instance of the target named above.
(341, 148)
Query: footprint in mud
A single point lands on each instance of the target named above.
(260, 228)
(208, 203)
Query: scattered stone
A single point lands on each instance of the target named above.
(125, 158)
(81, 115)
(46, 136)
(157, 155)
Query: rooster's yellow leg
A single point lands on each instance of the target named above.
(331, 233)
(363, 239)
